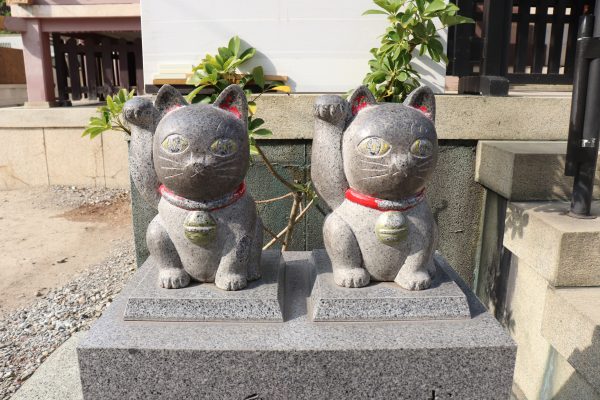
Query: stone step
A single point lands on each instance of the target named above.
(571, 324)
(526, 171)
(563, 250)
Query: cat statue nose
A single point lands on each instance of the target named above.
(197, 166)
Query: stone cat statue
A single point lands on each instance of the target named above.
(370, 163)
(189, 162)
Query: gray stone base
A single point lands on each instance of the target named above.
(260, 301)
(298, 359)
(384, 301)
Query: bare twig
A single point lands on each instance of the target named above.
(272, 170)
(283, 232)
(290, 194)
(273, 235)
(291, 222)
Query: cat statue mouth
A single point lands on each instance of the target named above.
(194, 205)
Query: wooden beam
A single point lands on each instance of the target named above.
(22, 2)
(159, 81)
(126, 24)
(14, 24)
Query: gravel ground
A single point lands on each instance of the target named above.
(72, 196)
(30, 334)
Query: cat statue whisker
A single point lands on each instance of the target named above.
(370, 163)
(189, 162)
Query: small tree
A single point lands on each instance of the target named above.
(413, 27)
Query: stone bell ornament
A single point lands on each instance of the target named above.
(190, 161)
(371, 163)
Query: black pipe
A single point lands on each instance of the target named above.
(580, 82)
(581, 200)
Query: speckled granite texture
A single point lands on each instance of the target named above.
(260, 301)
(469, 359)
(383, 301)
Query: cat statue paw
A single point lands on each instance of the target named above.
(189, 162)
(371, 163)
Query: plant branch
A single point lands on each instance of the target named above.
(283, 232)
(274, 199)
(291, 222)
(272, 170)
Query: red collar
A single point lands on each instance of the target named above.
(382, 204)
(193, 205)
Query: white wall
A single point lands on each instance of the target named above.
(11, 40)
(321, 45)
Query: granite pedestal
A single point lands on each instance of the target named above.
(383, 301)
(469, 358)
(260, 301)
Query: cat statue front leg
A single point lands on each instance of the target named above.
(345, 255)
(171, 274)
(419, 267)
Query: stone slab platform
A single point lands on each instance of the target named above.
(260, 301)
(297, 359)
(525, 170)
(562, 249)
(383, 301)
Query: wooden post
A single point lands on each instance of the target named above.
(38, 65)
(497, 16)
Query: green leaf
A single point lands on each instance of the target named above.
(282, 88)
(370, 12)
(436, 46)
(234, 45)
(255, 123)
(225, 53)
(262, 132)
(253, 150)
(192, 95)
(385, 4)
(259, 76)
(247, 54)
(94, 131)
(110, 103)
(122, 95)
(251, 107)
(435, 5)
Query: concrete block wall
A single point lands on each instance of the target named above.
(59, 156)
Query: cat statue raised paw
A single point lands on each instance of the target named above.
(189, 162)
(371, 163)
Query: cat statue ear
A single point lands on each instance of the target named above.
(168, 99)
(361, 98)
(422, 99)
(233, 100)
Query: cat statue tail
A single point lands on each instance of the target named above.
(332, 115)
(142, 118)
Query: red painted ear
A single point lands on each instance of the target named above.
(423, 100)
(233, 100)
(361, 98)
(168, 99)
